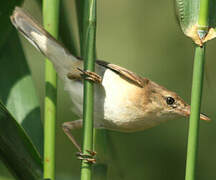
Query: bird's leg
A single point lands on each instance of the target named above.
(67, 128)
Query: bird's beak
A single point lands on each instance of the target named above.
(186, 112)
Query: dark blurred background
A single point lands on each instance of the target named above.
(144, 37)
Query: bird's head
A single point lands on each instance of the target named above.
(168, 104)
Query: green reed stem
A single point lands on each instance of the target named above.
(50, 19)
(193, 136)
(196, 95)
(89, 36)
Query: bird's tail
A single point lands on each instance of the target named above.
(43, 41)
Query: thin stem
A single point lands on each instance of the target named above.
(50, 18)
(100, 136)
(196, 94)
(88, 107)
(193, 136)
(204, 13)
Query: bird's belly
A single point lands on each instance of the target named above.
(126, 118)
(126, 122)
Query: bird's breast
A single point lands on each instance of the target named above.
(123, 103)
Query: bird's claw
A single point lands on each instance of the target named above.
(93, 153)
(87, 157)
(92, 76)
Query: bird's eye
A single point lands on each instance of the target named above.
(170, 100)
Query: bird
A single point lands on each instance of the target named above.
(124, 101)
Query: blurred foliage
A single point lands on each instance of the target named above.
(19, 96)
(17, 89)
(5, 11)
(142, 36)
(16, 150)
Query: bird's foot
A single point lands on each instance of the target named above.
(87, 157)
(92, 76)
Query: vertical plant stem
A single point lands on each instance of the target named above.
(193, 136)
(199, 60)
(50, 19)
(100, 136)
(204, 13)
(89, 34)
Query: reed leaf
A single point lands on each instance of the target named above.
(20, 101)
(188, 16)
(16, 149)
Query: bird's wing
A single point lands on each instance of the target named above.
(124, 73)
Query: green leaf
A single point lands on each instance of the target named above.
(188, 14)
(18, 94)
(5, 11)
(17, 89)
(16, 150)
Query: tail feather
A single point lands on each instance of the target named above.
(61, 58)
